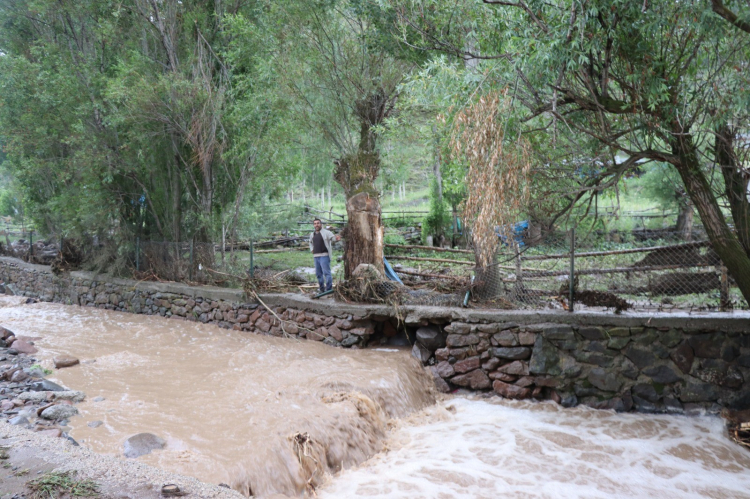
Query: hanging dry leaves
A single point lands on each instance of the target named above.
(497, 177)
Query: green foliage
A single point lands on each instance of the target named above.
(59, 484)
(46, 371)
(10, 205)
(437, 220)
(394, 238)
(110, 134)
(661, 184)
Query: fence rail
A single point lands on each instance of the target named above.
(655, 269)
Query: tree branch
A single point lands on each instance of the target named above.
(718, 7)
(521, 5)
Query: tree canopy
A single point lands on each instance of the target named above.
(169, 120)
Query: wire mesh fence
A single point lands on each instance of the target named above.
(637, 269)
(281, 264)
(653, 270)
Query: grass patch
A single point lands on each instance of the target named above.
(46, 371)
(54, 484)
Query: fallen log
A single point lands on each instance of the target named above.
(616, 270)
(330, 212)
(432, 276)
(282, 241)
(436, 260)
(698, 244)
(283, 250)
(428, 248)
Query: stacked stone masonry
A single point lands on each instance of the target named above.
(649, 369)
(119, 295)
(622, 368)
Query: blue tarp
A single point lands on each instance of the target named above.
(389, 273)
(519, 230)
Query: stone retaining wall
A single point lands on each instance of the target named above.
(621, 362)
(222, 307)
(622, 368)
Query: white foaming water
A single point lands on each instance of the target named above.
(476, 449)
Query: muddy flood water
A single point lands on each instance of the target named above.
(272, 415)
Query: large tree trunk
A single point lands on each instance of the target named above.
(357, 173)
(736, 180)
(723, 240)
(364, 233)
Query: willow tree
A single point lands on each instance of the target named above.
(345, 87)
(118, 116)
(604, 79)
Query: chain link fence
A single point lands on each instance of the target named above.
(641, 270)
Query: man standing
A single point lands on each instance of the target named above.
(321, 245)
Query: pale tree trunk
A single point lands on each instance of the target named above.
(723, 240)
(436, 166)
(176, 205)
(684, 225)
(364, 234)
(357, 174)
(364, 231)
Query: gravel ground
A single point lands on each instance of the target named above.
(32, 454)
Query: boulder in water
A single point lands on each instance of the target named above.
(142, 444)
(63, 361)
(5, 333)
(431, 337)
(420, 353)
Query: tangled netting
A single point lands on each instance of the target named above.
(738, 426)
(367, 285)
(270, 281)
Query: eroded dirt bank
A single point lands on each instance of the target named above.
(265, 415)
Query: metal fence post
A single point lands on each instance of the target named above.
(31, 244)
(190, 269)
(572, 292)
(252, 262)
(138, 254)
(520, 291)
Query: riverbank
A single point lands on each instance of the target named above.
(34, 441)
(231, 406)
(264, 415)
(655, 362)
(32, 454)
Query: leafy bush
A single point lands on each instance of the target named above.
(437, 220)
(394, 239)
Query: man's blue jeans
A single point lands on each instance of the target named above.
(323, 272)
